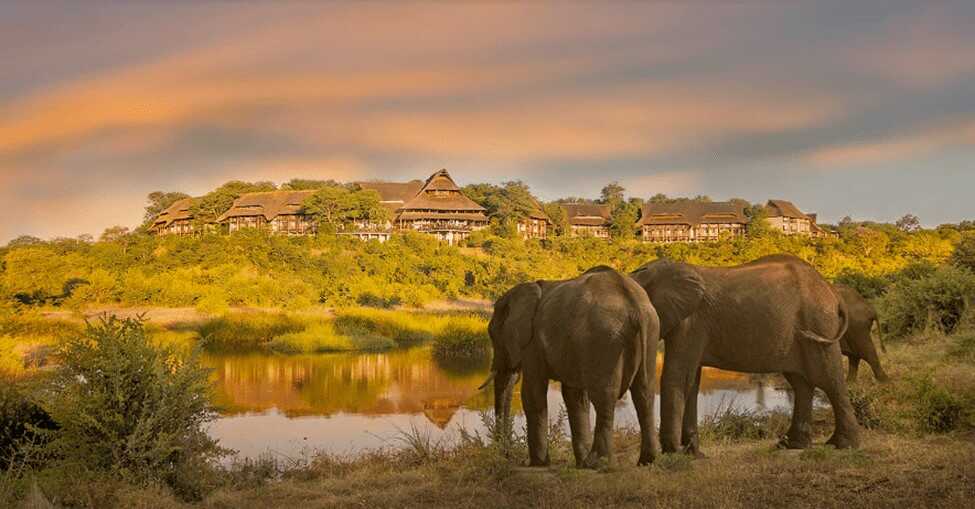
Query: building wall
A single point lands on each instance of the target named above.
(178, 227)
(791, 225)
(532, 228)
(707, 232)
(287, 224)
(585, 230)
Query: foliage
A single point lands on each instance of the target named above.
(216, 202)
(335, 207)
(462, 337)
(964, 254)
(129, 409)
(22, 424)
(938, 410)
(160, 201)
(934, 301)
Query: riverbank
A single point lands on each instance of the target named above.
(456, 329)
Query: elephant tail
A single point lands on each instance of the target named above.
(816, 338)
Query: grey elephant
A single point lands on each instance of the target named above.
(597, 334)
(773, 315)
(857, 343)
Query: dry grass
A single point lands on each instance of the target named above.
(888, 470)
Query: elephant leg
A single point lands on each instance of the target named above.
(602, 445)
(682, 362)
(846, 433)
(874, 362)
(577, 406)
(689, 438)
(799, 435)
(642, 391)
(533, 399)
(851, 377)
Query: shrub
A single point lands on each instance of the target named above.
(729, 422)
(865, 406)
(247, 330)
(937, 410)
(322, 337)
(937, 301)
(462, 337)
(20, 422)
(964, 255)
(130, 410)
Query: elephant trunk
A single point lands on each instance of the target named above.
(504, 385)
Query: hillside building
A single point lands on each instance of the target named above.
(177, 219)
(691, 221)
(587, 219)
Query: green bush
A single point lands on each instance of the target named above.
(937, 301)
(462, 337)
(130, 410)
(237, 331)
(20, 422)
(322, 337)
(937, 409)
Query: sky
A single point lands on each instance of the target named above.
(865, 110)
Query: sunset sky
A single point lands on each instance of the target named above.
(865, 110)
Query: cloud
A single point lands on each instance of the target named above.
(672, 183)
(893, 148)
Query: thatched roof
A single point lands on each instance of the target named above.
(269, 204)
(393, 195)
(538, 212)
(586, 214)
(693, 213)
(179, 210)
(783, 208)
(440, 193)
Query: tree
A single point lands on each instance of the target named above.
(909, 223)
(758, 225)
(308, 184)
(508, 203)
(622, 222)
(160, 201)
(114, 233)
(25, 240)
(216, 202)
(964, 254)
(560, 221)
(336, 207)
(612, 194)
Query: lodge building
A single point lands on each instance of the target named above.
(691, 221)
(177, 219)
(438, 207)
(276, 211)
(587, 219)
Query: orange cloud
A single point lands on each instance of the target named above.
(893, 149)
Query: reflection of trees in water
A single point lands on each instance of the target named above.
(400, 381)
(463, 367)
(407, 381)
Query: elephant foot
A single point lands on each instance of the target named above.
(594, 462)
(694, 451)
(843, 442)
(646, 460)
(787, 442)
(540, 463)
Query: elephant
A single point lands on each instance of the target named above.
(775, 314)
(857, 343)
(597, 334)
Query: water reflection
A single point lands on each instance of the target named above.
(353, 401)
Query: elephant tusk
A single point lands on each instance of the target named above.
(487, 382)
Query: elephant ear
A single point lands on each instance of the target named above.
(512, 325)
(675, 289)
